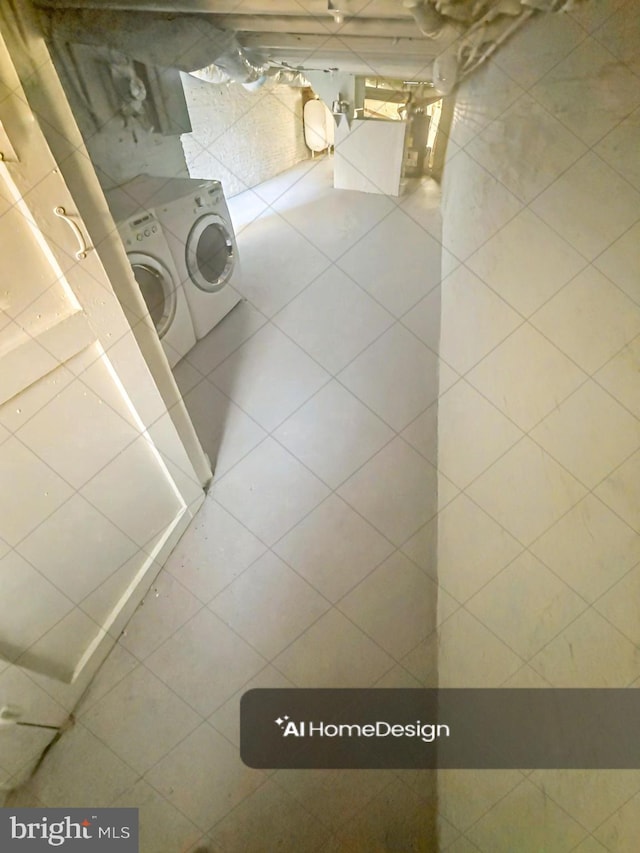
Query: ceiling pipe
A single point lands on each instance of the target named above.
(338, 14)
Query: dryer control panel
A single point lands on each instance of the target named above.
(209, 195)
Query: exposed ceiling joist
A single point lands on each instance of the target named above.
(352, 35)
(298, 24)
(296, 8)
(359, 46)
(369, 66)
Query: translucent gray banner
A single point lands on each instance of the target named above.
(111, 830)
(448, 728)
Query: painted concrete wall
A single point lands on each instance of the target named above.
(242, 138)
(541, 434)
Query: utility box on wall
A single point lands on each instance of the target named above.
(130, 114)
(108, 85)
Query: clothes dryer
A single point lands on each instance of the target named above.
(200, 234)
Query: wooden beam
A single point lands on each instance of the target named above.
(309, 25)
(360, 46)
(394, 65)
(304, 8)
(388, 96)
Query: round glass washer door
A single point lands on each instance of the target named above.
(157, 288)
(210, 253)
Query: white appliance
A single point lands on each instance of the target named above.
(319, 126)
(159, 281)
(198, 229)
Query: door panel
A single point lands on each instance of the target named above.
(94, 481)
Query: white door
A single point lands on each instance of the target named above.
(95, 485)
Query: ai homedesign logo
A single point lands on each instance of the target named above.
(74, 830)
(426, 732)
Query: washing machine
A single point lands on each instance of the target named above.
(195, 219)
(154, 269)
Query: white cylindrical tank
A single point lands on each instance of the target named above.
(318, 126)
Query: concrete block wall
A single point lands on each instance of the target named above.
(242, 138)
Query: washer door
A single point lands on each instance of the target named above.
(157, 288)
(210, 253)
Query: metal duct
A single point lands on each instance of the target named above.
(241, 65)
(211, 74)
(216, 74)
(288, 77)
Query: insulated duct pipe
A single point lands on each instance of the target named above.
(241, 66)
(216, 74)
(185, 42)
(430, 22)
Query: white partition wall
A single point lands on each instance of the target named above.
(368, 155)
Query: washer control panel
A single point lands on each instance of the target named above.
(141, 227)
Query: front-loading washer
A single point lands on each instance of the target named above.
(159, 282)
(195, 218)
